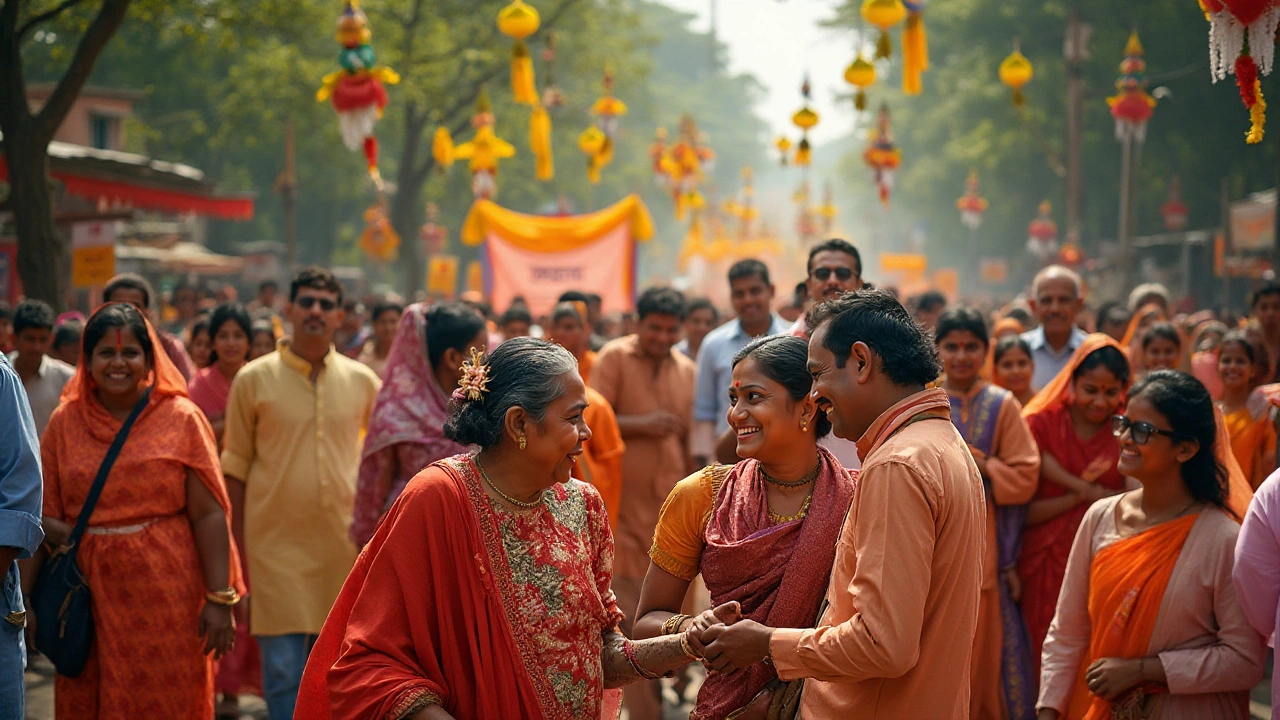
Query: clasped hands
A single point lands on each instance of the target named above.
(726, 640)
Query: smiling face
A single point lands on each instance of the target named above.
(555, 444)
(1162, 456)
(751, 297)
(1057, 301)
(657, 333)
(1014, 370)
(231, 344)
(765, 418)
(118, 364)
(1098, 395)
(831, 274)
(1234, 367)
(962, 354)
(1162, 354)
(697, 324)
(841, 392)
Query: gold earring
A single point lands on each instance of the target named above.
(804, 426)
(523, 442)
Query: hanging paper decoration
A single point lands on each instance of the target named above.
(971, 205)
(783, 146)
(1016, 71)
(884, 14)
(1242, 42)
(915, 47)
(379, 239)
(685, 164)
(442, 149)
(805, 119)
(657, 152)
(1132, 107)
(433, 236)
(806, 226)
(540, 143)
(518, 21)
(860, 74)
(1042, 234)
(827, 210)
(598, 141)
(1174, 211)
(357, 90)
(484, 151)
(882, 155)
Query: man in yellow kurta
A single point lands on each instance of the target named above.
(295, 421)
(895, 641)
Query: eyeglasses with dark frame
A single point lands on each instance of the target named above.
(823, 273)
(306, 302)
(1141, 432)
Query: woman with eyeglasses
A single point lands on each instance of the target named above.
(1070, 420)
(1148, 624)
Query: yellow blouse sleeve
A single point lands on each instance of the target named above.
(682, 524)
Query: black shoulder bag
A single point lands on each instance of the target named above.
(63, 613)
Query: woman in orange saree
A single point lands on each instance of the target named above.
(157, 554)
(1246, 412)
(485, 592)
(1070, 421)
(1148, 624)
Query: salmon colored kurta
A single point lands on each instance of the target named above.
(896, 640)
(1013, 472)
(139, 555)
(602, 454)
(634, 384)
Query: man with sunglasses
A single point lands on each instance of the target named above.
(295, 420)
(835, 268)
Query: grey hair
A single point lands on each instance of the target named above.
(523, 372)
(1054, 272)
(1148, 293)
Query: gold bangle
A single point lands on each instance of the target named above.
(672, 624)
(687, 648)
(227, 597)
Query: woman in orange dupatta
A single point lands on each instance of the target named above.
(1070, 421)
(485, 591)
(157, 554)
(1148, 624)
(1245, 411)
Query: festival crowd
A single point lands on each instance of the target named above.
(853, 507)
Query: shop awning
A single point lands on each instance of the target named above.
(183, 257)
(119, 178)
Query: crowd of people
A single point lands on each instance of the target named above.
(361, 508)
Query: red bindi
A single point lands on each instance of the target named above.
(119, 341)
(737, 383)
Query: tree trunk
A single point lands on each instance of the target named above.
(406, 210)
(42, 252)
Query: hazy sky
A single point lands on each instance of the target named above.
(777, 41)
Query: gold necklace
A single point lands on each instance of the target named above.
(804, 510)
(792, 484)
(504, 496)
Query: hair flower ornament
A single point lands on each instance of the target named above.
(475, 378)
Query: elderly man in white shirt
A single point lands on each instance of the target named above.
(1057, 296)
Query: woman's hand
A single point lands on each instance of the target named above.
(726, 614)
(218, 629)
(1109, 678)
(1014, 583)
(56, 532)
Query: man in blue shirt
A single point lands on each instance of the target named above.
(21, 498)
(1056, 298)
(751, 294)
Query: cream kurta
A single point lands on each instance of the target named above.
(634, 384)
(896, 640)
(1210, 654)
(296, 447)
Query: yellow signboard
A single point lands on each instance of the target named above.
(93, 253)
(475, 277)
(442, 276)
(910, 263)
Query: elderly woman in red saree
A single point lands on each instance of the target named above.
(157, 554)
(761, 532)
(485, 591)
(406, 428)
(1070, 420)
(1148, 624)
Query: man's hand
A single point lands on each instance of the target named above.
(726, 614)
(1014, 583)
(1109, 678)
(730, 647)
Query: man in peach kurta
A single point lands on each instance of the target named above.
(650, 386)
(896, 640)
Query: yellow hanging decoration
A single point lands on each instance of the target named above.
(860, 74)
(805, 118)
(484, 150)
(915, 48)
(442, 149)
(592, 143)
(1016, 71)
(518, 21)
(598, 145)
(884, 14)
(540, 143)
(783, 146)
(1257, 116)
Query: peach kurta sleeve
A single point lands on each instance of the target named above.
(1014, 464)
(892, 533)
(1067, 643)
(1235, 661)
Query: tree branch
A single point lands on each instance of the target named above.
(30, 25)
(95, 38)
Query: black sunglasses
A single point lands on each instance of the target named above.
(1141, 432)
(306, 302)
(822, 273)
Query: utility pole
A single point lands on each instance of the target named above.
(1076, 51)
(287, 186)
